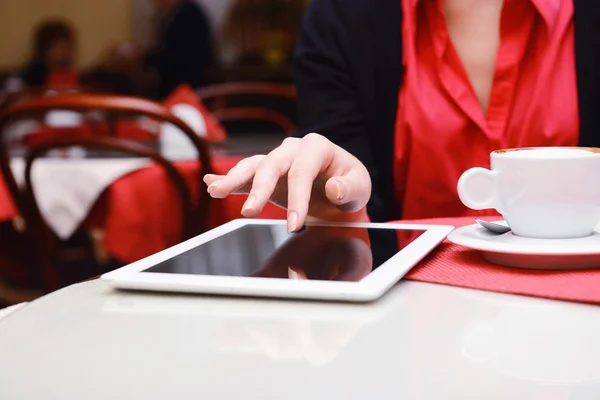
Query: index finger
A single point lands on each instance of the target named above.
(315, 155)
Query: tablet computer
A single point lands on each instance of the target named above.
(355, 262)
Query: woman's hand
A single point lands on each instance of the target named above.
(308, 177)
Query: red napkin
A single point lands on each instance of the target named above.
(455, 265)
(186, 95)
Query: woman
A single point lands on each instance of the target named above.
(121, 72)
(184, 45)
(54, 51)
(407, 94)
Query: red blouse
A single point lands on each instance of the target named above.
(441, 128)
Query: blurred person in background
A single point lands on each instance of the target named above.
(121, 71)
(183, 48)
(54, 50)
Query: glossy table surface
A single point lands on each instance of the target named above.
(420, 341)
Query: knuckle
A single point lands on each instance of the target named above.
(281, 155)
(249, 162)
(319, 146)
(256, 159)
(290, 141)
(267, 170)
(299, 171)
(315, 138)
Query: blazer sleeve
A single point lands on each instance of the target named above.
(327, 78)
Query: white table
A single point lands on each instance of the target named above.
(420, 341)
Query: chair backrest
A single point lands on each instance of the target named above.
(195, 219)
(284, 123)
(45, 238)
(223, 100)
(10, 98)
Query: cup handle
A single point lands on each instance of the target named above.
(478, 189)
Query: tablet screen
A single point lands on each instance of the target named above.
(269, 251)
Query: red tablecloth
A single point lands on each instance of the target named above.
(458, 266)
(7, 207)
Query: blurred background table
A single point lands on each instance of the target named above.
(129, 218)
(142, 200)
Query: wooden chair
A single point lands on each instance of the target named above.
(8, 99)
(47, 245)
(219, 98)
(228, 115)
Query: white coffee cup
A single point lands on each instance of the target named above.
(544, 192)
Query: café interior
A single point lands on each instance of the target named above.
(113, 112)
(82, 220)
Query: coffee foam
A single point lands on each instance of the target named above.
(550, 152)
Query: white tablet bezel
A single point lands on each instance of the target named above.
(367, 289)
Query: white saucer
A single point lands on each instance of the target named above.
(514, 251)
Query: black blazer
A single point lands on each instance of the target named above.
(348, 73)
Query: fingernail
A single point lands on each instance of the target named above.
(292, 274)
(292, 221)
(211, 188)
(340, 194)
(249, 204)
(296, 273)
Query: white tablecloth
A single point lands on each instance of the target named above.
(66, 190)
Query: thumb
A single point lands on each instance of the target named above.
(350, 192)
